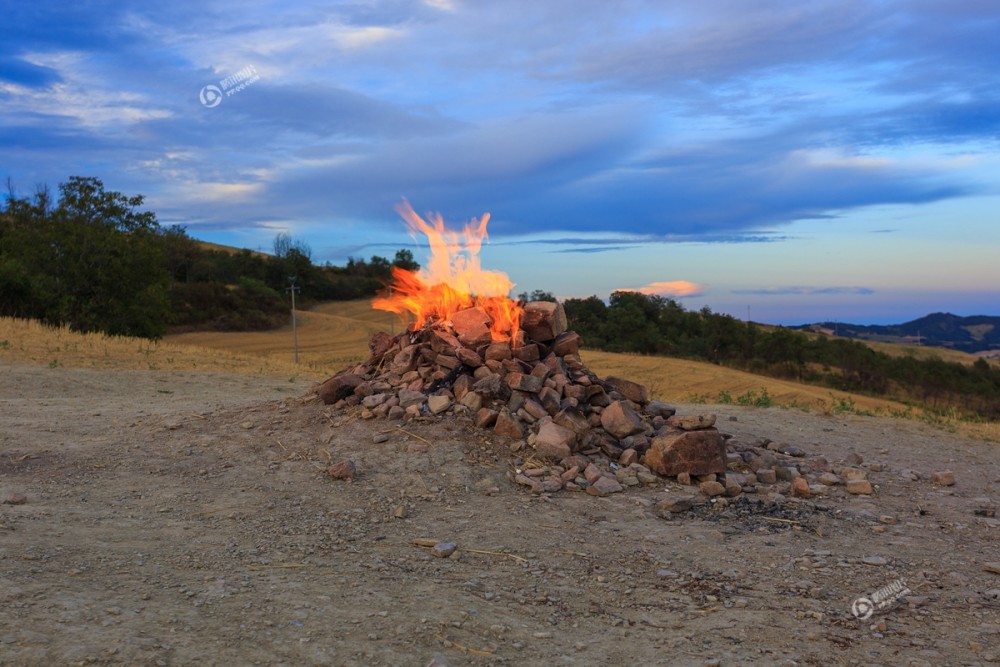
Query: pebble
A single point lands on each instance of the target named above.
(800, 488)
(676, 504)
(874, 560)
(443, 549)
(15, 499)
(943, 478)
(380, 438)
(712, 488)
(342, 470)
(859, 487)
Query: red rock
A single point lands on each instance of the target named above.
(592, 473)
(602, 486)
(943, 478)
(567, 343)
(800, 488)
(628, 457)
(633, 391)
(378, 345)
(498, 351)
(542, 321)
(554, 441)
(621, 421)
(573, 419)
(472, 326)
(860, 487)
(342, 470)
(676, 504)
(442, 341)
(508, 425)
(528, 353)
(691, 422)
(522, 382)
(712, 488)
(469, 357)
(338, 387)
(695, 452)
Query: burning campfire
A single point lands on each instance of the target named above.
(515, 369)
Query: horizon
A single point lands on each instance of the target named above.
(784, 164)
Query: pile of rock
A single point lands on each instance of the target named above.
(582, 432)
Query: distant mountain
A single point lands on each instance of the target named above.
(980, 333)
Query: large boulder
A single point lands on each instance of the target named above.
(695, 452)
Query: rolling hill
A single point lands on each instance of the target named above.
(975, 334)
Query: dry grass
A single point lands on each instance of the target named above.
(27, 341)
(335, 335)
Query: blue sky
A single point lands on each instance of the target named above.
(791, 161)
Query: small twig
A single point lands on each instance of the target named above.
(496, 553)
(403, 430)
(460, 647)
(25, 457)
(329, 456)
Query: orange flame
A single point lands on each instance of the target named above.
(453, 279)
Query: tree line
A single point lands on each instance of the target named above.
(94, 260)
(650, 324)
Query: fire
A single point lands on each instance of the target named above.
(453, 280)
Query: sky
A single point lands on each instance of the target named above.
(783, 161)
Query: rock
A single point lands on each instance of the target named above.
(409, 397)
(697, 452)
(621, 421)
(830, 479)
(473, 401)
(633, 391)
(572, 419)
(342, 470)
(789, 450)
(712, 488)
(508, 425)
(943, 478)
(522, 382)
(486, 417)
(542, 321)
(766, 476)
(566, 343)
(338, 387)
(378, 345)
(660, 409)
(443, 549)
(469, 357)
(676, 504)
(859, 487)
(554, 441)
(438, 404)
(438, 661)
(15, 499)
(691, 422)
(472, 327)
(492, 386)
(876, 561)
(379, 438)
(602, 486)
(800, 488)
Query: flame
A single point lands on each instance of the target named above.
(453, 279)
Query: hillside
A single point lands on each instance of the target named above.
(975, 334)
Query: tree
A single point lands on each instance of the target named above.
(404, 260)
(94, 262)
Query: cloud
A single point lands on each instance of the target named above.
(677, 289)
(806, 291)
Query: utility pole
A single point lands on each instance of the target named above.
(293, 288)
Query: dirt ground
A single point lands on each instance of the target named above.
(186, 519)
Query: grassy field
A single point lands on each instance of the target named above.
(335, 335)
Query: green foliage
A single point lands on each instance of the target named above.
(94, 261)
(639, 323)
